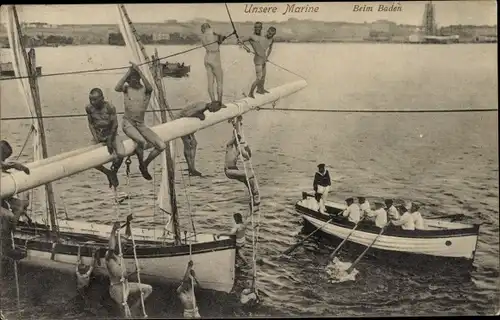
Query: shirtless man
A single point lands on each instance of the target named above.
(136, 100)
(232, 171)
(262, 46)
(83, 275)
(213, 65)
(194, 110)
(11, 209)
(103, 124)
(186, 293)
(114, 267)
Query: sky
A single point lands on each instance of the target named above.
(476, 12)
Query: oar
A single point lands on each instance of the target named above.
(449, 216)
(343, 241)
(286, 252)
(366, 250)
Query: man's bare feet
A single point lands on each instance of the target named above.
(195, 173)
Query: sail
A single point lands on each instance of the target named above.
(134, 48)
(20, 66)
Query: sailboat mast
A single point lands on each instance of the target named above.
(31, 60)
(156, 67)
(163, 106)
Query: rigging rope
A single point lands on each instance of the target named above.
(110, 69)
(125, 287)
(137, 267)
(294, 110)
(17, 279)
(252, 209)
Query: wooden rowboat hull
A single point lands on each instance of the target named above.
(445, 240)
(159, 259)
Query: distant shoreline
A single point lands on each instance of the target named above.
(232, 44)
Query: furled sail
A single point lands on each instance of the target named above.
(163, 198)
(20, 66)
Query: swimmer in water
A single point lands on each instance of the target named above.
(212, 41)
(186, 293)
(136, 99)
(83, 275)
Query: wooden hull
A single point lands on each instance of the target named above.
(159, 259)
(445, 240)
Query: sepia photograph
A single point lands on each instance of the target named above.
(249, 160)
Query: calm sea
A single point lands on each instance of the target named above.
(448, 161)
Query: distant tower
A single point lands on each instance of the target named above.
(429, 26)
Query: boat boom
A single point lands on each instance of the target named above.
(57, 167)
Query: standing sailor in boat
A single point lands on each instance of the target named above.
(262, 46)
(379, 214)
(405, 221)
(213, 65)
(231, 170)
(136, 100)
(352, 212)
(11, 209)
(321, 185)
(186, 293)
(103, 124)
(114, 267)
(194, 110)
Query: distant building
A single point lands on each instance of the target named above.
(161, 36)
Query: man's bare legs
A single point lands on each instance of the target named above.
(211, 81)
(261, 89)
(258, 80)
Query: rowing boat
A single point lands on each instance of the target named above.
(451, 241)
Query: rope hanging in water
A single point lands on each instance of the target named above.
(120, 255)
(131, 234)
(17, 279)
(237, 126)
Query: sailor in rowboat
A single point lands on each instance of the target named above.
(212, 41)
(186, 293)
(262, 46)
(136, 100)
(232, 171)
(194, 110)
(405, 220)
(364, 205)
(392, 212)
(352, 212)
(238, 230)
(113, 264)
(379, 214)
(103, 124)
(417, 217)
(321, 185)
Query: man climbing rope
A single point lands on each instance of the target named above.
(238, 230)
(194, 110)
(103, 124)
(116, 275)
(83, 275)
(186, 292)
(212, 41)
(232, 171)
(136, 100)
(262, 46)
(11, 209)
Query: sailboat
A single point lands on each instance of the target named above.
(162, 255)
